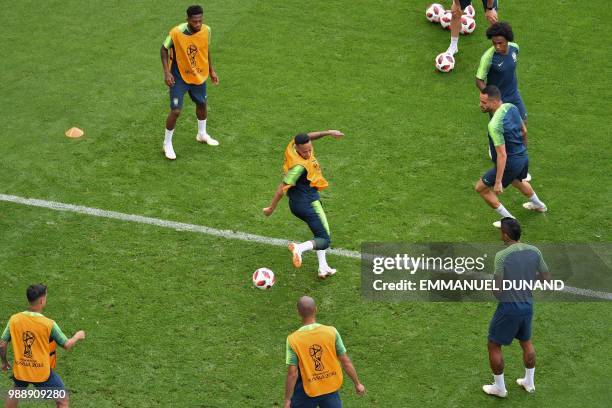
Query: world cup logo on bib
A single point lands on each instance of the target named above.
(28, 340)
(316, 352)
(192, 51)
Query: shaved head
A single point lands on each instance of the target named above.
(306, 306)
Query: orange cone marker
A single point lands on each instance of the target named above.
(74, 132)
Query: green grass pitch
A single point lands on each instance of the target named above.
(171, 317)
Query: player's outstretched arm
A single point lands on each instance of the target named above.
(317, 135)
(278, 194)
(490, 12)
(80, 335)
(292, 373)
(348, 367)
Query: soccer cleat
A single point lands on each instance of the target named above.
(452, 52)
(528, 388)
(327, 272)
(532, 207)
(169, 151)
(207, 139)
(527, 178)
(497, 224)
(492, 389)
(297, 257)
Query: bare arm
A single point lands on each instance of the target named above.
(524, 133)
(168, 77)
(292, 373)
(278, 194)
(80, 335)
(480, 84)
(4, 362)
(501, 166)
(317, 135)
(490, 12)
(211, 71)
(348, 367)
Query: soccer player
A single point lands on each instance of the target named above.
(314, 355)
(457, 8)
(185, 56)
(302, 181)
(498, 67)
(30, 333)
(514, 313)
(509, 136)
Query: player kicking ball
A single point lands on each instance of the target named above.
(509, 135)
(457, 8)
(302, 182)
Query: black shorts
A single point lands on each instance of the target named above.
(465, 3)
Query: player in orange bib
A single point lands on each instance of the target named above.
(32, 336)
(302, 182)
(315, 358)
(185, 56)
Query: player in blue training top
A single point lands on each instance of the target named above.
(517, 263)
(509, 135)
(498, 67)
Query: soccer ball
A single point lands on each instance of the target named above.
(468, 25)
(469, 11)
(445, 19)
(434, 12)
(263, 278)
(445, 62)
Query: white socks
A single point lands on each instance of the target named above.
(202, 127)
(529, 372)
(453, 44)
(304, 246)
(323, 266)
(499, 381)
(168, 137)
(501, 210)
(535, 200)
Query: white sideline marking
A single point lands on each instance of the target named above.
(228, 234)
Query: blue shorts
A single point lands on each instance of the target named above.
(54, 382)
(465, 3)
(516, 169)
(301, 400)
(312, 214)
(504, 328)
(177, 92)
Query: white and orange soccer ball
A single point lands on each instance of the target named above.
(445, 62)
(469, 11)
(263, 278)
(446, 18)
(434, 12)
(468, 25)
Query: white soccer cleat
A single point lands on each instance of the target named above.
(527, 178)
(532, 207)
(169, 151)
(492, 389)
(326, 272)
(207, 139)
(529, 388)
(497, 224)
(449, 51)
